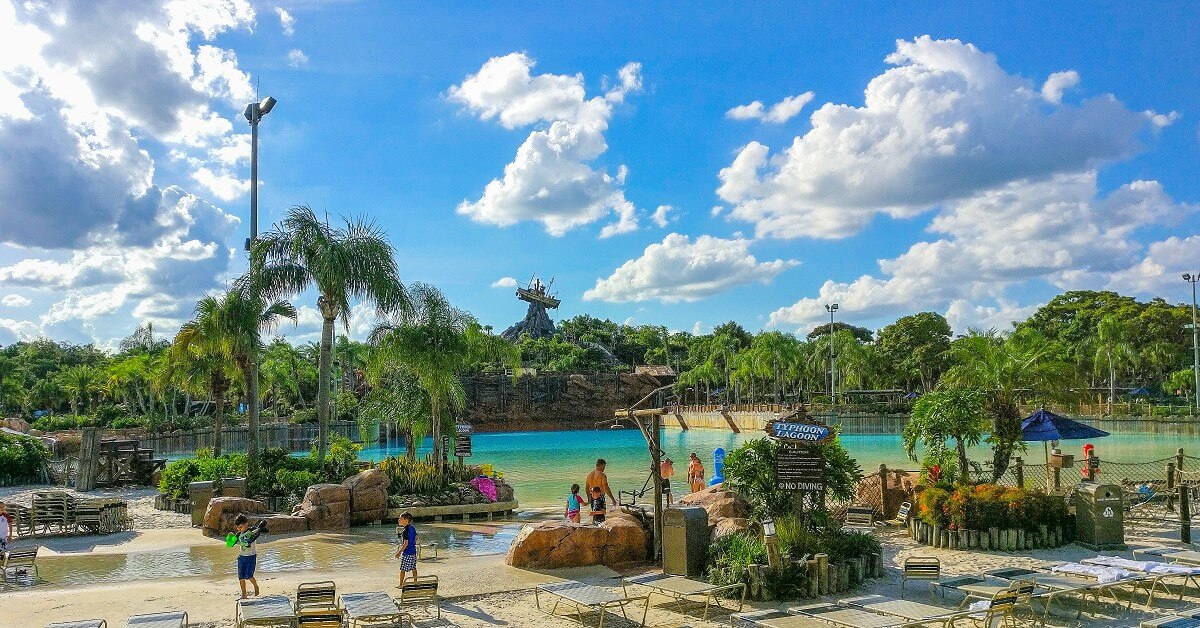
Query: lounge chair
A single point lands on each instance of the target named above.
(374, 608)
(169, 619)
(583, 595)
(1155, 572)
(317, 598)
(1155, 551)
(901, 515)
(83, 623)
(270, 610)
(680, 588)
(851, 617)
(774, 619)
(423, 591)
(1182, 619)
(319, 620)
(904, 609)
(859, 519)
(18, 560)
(920, 568)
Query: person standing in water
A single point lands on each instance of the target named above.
(598, 480)
(695, 473)
(574, 505)
(666, 471)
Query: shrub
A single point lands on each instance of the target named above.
(128, 423)
(303, 415)
(750, 471)
(293, 484)
(730, 556)
(21, 457)
(60, 422)
(989, 506)
(407, 476)
(203, 468)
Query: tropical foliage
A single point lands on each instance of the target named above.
(750, 471)
(983, 506)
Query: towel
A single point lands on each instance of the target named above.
(1145, 566)
(1103, 575)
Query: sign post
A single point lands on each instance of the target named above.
(799, 465)
(462, 441)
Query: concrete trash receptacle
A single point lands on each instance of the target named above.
(233, 487)
(685, 541)
(200, 493)
(1099, 516)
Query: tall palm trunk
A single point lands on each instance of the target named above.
(325, 368)
(436, 430)
(964, 472)
(249, 368)
(1112, 383)
(218, 391)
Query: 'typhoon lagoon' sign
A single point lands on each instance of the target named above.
(799, 431)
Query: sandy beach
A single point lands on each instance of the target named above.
(478, 590)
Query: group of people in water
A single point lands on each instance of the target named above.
(596, 489)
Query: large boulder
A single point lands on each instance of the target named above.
(218, 518)
(15, 423)
(559, 543)
(326, 506)
(719, 503)
(368, 496)
(504, 492)
(285, 524)
(727, 526)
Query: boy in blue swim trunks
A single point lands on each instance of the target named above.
(406, 534)
(247, 543)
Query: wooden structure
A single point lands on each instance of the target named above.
(89, 460)
(537, 323)
(121, 462)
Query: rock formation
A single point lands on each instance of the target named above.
(368, 496)
(558, 544)
(326, 506)
(218, 518)
(727, 511)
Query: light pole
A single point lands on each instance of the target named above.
(254, 112)
(831, 308)
(1192, 278)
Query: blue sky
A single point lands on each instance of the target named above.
(935, 140)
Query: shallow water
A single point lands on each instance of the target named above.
(543, 465)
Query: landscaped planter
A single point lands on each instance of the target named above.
(992, 539)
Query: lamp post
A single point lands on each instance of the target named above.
(254, 113)
(831, 308)
(1192, 278)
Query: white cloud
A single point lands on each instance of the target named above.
(945, 123)
(662, 215)
(716, 210)
(551, 179)
(286, 21)
(1059, 231)
(1161, 120)
(14, 300)
(964, 316)
(1056, 84)
(629, 322)
(297, 58)
(505, 282)
(778, 113)
(1158, 273)
(697, 328)
(678, 269)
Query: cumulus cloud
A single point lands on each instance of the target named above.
(1059, 231)
(551, 180)
(662, 215)
(1056, 84)
(778, 113)
(287, 22)
(88, 90)
(505, 282)
(678, 269)
(297, 58)
(944, 123)
(1161, 120)
(14, 300)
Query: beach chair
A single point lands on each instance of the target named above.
(850, 617)
(920, 568)
(270, 610)
(22, 520)
(18, 560)
(587, 596)
(1155, 573)
(319, 620)
(773, 619)
(859, 519)
(424, 591)
(904, 609)
(1189, 618)
(83, 623)
(901, 515)
(374, 609)
(87, 517)
(317, 598)
(1157, 551)
(683, 589)
(169, 619)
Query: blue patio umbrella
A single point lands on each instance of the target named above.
(1046, 426)
(1139, 392)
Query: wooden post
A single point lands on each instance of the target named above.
(1185, 516)
(1179, 461)
(655, 472)
(822, 573)
(1020, 468)
(883, 487)
(1170, 487)
(89, 460)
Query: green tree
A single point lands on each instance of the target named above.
(79, 382)
(342, 263)
(915, 349)
(941, 415)
(429, 340)
(202, 352)
(1113, 350)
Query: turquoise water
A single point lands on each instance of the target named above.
(543, 465)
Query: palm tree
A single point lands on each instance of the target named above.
(1007, 368)
(78, 382)
(430, 341)
(202, 352)
(1113, 349)
(345, 263)
(246, 315)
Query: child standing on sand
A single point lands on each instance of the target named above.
(406, 532)
(247, 543)
(5, 529)
(574, 504)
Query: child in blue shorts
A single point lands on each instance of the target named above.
(247, 542)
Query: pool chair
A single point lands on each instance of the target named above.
(1157, 551)
(920, 568)
(316, 598)
(903, 609)
(85, 623)
(1154, 573)
(423, 591)
(1182, 619)
(773, 619)
(684, 589)
(170, 619)
(590, 597)
(851, 617)
(860, 519)
(319, 620)
(901, 515)
(22, 559)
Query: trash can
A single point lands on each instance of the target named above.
(1099, 516)
(199, 493)
(685, 541)
(233, 487)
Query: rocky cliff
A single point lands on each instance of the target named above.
(550, 401)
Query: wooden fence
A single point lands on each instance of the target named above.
(289, 436)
